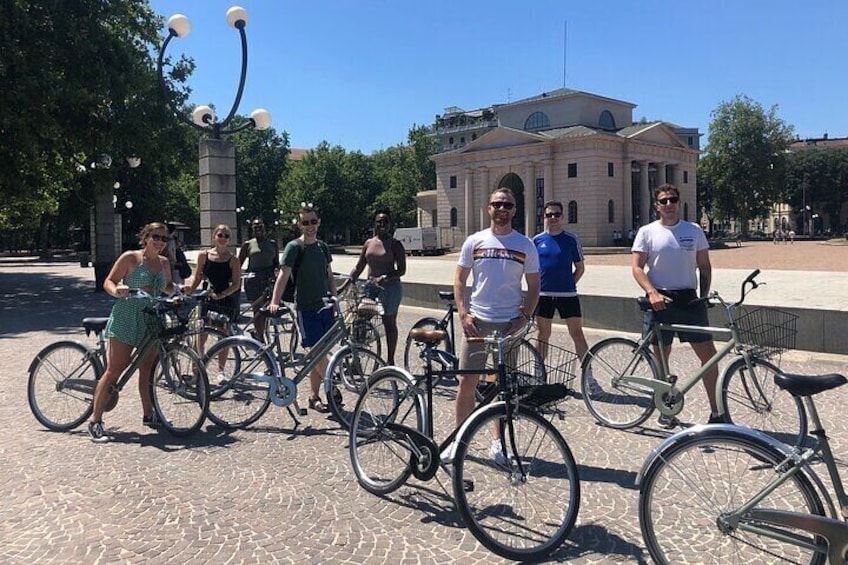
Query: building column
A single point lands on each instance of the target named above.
(469, 201)
(644, 193)
(530, 200)
(627, 196)
(483, 202)
(549, 179)
(217, 186)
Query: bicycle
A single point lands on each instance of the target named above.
(412, 361)
(256, 374)
(363, 305)
(735, 495)
(630, 381)
(518, 495)
(64, 375)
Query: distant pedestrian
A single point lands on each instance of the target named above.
(791, 236)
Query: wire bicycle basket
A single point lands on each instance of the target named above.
(166, 319)
(767, 332)
(545, 384)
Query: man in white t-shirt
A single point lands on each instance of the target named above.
(499, 258)
(676, 254)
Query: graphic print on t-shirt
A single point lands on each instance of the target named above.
(499, 253)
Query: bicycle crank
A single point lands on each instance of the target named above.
(669, 402)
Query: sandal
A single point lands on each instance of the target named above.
(315, 403)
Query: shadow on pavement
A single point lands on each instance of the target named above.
(586, 539)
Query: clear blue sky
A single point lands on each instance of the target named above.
(360, 73)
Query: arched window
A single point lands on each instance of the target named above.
(572, 212)
(606, 121)
(685, 211)
(453, 218)
(611, 212)
(537, 120)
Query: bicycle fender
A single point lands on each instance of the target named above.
(479, 413)
(722, 430)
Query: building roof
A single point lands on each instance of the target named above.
(297, 154)
(562, 93)
(570, 132)
(824, 142)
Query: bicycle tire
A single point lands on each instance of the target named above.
(692, 482)
(524, 519)
(201, 341)
(612, 403)
(752, 399)
(412, 361)
(244, 398)
(345, 379)
(180, 390)
(56, 389)
(382, 459)
(365, 334)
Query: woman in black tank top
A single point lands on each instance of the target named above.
(222, 270)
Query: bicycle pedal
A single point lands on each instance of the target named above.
(301, 411)
(467, 485)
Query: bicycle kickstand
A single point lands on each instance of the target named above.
(293, 417)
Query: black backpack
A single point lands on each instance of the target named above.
(288, 293)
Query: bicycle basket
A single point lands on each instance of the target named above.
(555, 386)
(767, 331)
(166, 319)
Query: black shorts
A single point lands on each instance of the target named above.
(566, 306)
(256, 285)
(679, 311)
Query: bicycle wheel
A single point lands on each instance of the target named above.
(201, 341)
(380, 455)
(60, 388)
(180, 390)
(752, 399)
(694, 483)
(526, 516)
(247, 369)
(348, 371)
(612, 401)
(366, 334)
(412, 361)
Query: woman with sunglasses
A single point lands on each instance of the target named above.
(222, 269)
(145, 269)
(386, 261)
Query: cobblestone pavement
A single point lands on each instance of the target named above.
(271, 493)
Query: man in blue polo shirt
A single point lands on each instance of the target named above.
(561, 266)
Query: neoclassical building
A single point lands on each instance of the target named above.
(579, 148)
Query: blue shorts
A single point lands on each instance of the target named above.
(313, 325)
(392, 295)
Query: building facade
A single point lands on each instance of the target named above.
(579, 148)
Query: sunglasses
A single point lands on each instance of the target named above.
(312, 222)
(224, 235)
(505, 205)
(553, 214)
(157, 237)
(669, 200)
(258, 227)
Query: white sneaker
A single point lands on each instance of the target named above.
(223, 379)
(446, 456)
(592, 385)
(496, 451)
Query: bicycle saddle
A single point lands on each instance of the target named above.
(95, 325)
(427, 336)
(446, 294)
(808, 385)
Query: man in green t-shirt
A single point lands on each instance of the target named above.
(314, 281)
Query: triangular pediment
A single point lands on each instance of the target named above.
(502, 137)
(656, 133)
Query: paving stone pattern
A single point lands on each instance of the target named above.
(270, 494)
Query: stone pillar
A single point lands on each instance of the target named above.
(217, 186)
(626, 219)
(468, 214)
(549, 179)
(104, 243)
(483, 203)
(644, 194)
(530, 200)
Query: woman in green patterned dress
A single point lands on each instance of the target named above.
(150, 271)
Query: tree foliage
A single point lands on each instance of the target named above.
(818, 178)
(745, 159)
(79, 81)
(261, 164)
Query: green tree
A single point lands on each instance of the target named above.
(79, 80)
(745, 159)
(261, 164)
(818, 178)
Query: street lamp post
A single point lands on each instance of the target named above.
(239, 212)
(217, 156)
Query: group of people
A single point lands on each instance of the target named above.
(670, 261)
